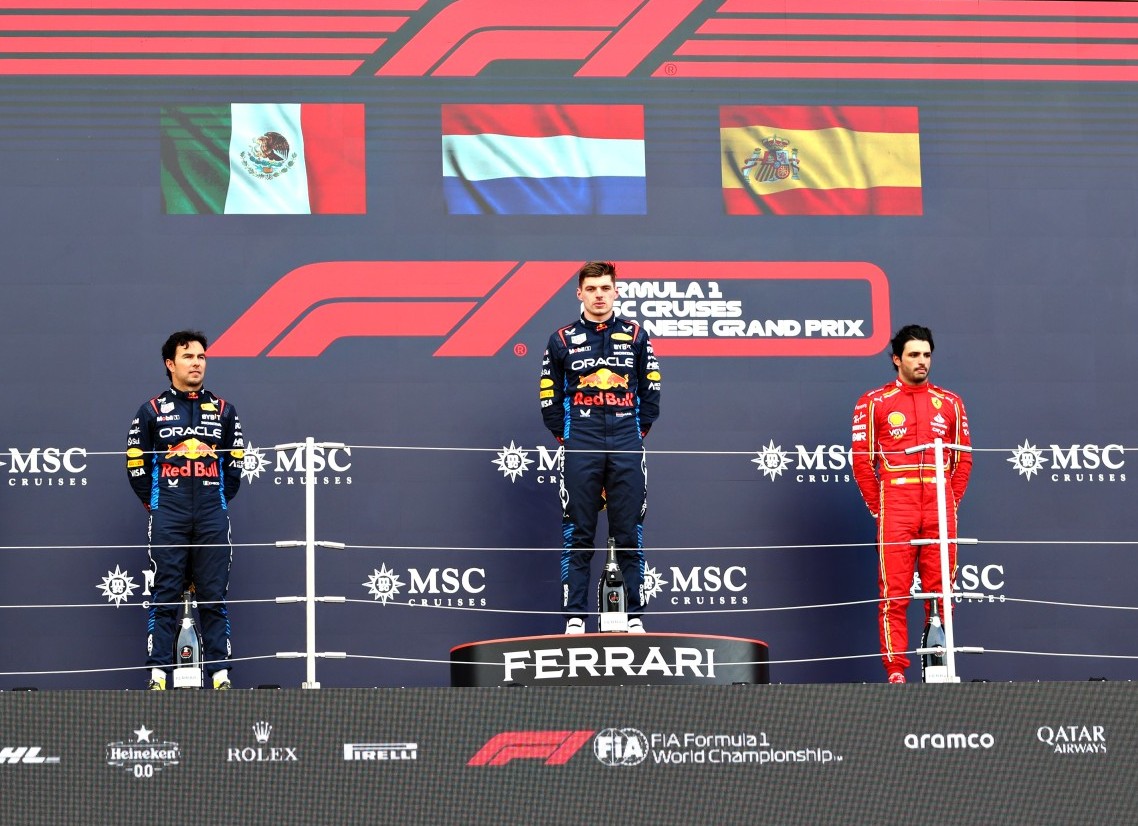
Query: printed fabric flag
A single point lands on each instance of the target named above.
(521, 159)
(821, 160)
(263, 159)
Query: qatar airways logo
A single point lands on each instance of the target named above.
(1066, 464)
(479, 308)
(1073, 739)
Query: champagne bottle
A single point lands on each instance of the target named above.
(933, 667)
(187, 650)
(612, 597)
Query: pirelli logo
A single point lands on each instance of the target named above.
(381, 752)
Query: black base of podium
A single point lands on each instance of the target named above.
(610, 659)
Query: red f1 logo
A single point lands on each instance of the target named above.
(611, 37)
(554, 747)
(338, 299)
(478, 306)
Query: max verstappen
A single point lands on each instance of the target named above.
(185, 453)
(600, 394)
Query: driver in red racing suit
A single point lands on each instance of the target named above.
(900, 489)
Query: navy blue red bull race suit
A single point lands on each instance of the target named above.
(600, 393)
(185, 452)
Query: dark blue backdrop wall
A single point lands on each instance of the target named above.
(1021, 259)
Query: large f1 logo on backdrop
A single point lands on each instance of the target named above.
(554, 747)
(479, 305)
(612, 37)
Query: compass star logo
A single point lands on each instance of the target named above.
(653, 584)
(254, 463)
(117, 586)
(513, 461)
(383, 584)
(1027, 459)
(772, 460)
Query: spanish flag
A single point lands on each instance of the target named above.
(821, 160)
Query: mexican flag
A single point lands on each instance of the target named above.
(263, 159)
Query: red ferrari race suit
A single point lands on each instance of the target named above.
(900, 491)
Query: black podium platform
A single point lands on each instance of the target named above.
(610, 659)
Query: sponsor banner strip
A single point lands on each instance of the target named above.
(179, 6)
(179, 24)
(954, 8)
(899, 71)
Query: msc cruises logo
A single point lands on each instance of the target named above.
(815, 464)
(117, 586)
(46, 467)
(440, 587)
(513, 461)
(772, 460)
(383, 584)
(1070, 463)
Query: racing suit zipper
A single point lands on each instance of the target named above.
(195, 420)
(606, 342)
(918, 433)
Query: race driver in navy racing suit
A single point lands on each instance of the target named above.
(600, 393)
(185, 453)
